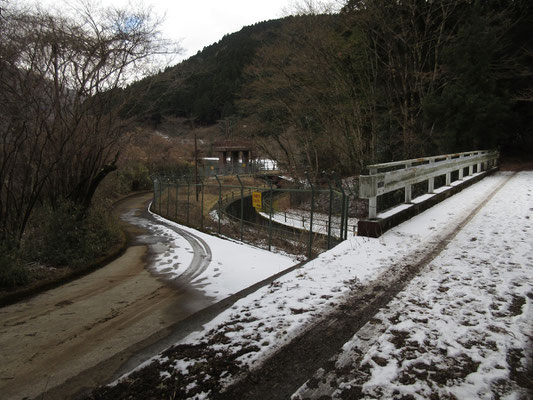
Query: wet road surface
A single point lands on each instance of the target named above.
(79, 335)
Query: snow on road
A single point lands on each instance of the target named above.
(460, 330)
(234, 266)
(470, 296)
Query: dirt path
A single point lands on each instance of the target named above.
(58, 342)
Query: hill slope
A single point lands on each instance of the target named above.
(204, 86)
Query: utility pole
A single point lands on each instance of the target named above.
(196, 165)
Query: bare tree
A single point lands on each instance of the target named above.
(313, 99)
(404, 45)
(61, 82)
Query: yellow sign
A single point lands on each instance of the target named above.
(257, 201)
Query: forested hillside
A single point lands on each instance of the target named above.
(392, 80)
(203, 87)
(378, 81)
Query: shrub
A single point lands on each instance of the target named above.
(61, 236)
(12, 270)
(135, 177)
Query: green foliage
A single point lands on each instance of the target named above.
(63, 236)
(12, 271)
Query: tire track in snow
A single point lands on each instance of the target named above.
(328, 334)
(202, 255)
(319, 385)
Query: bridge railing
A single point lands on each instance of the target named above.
(388, 177)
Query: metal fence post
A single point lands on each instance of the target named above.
(219, 201)
(242, 205)
(343, 204)
(330, 209)
(310, 244)
(177, 194)
(155, 180)
(168, 198)
(347, 210)
(270, 218)
(202, 206)
(188, 200)
(160, 195)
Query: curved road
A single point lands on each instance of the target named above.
(80, 335)
(143, 218)
(202, 253)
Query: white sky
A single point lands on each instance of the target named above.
(201, 23)
(197, 24)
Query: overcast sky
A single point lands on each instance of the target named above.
(199, 23)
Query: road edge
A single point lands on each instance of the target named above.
(116, 251)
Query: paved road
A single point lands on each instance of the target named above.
(328, 335)
(469, 303)
(79, 335)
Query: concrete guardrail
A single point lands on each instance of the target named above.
(388, 177)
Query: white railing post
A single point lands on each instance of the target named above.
(431, 181)
(373, 201)
(372, 207)
(408, 191)
(448, 175)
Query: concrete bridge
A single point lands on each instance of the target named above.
(458, 171)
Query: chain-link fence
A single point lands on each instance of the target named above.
(268, 212)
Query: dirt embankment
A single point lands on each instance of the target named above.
(78, 335)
